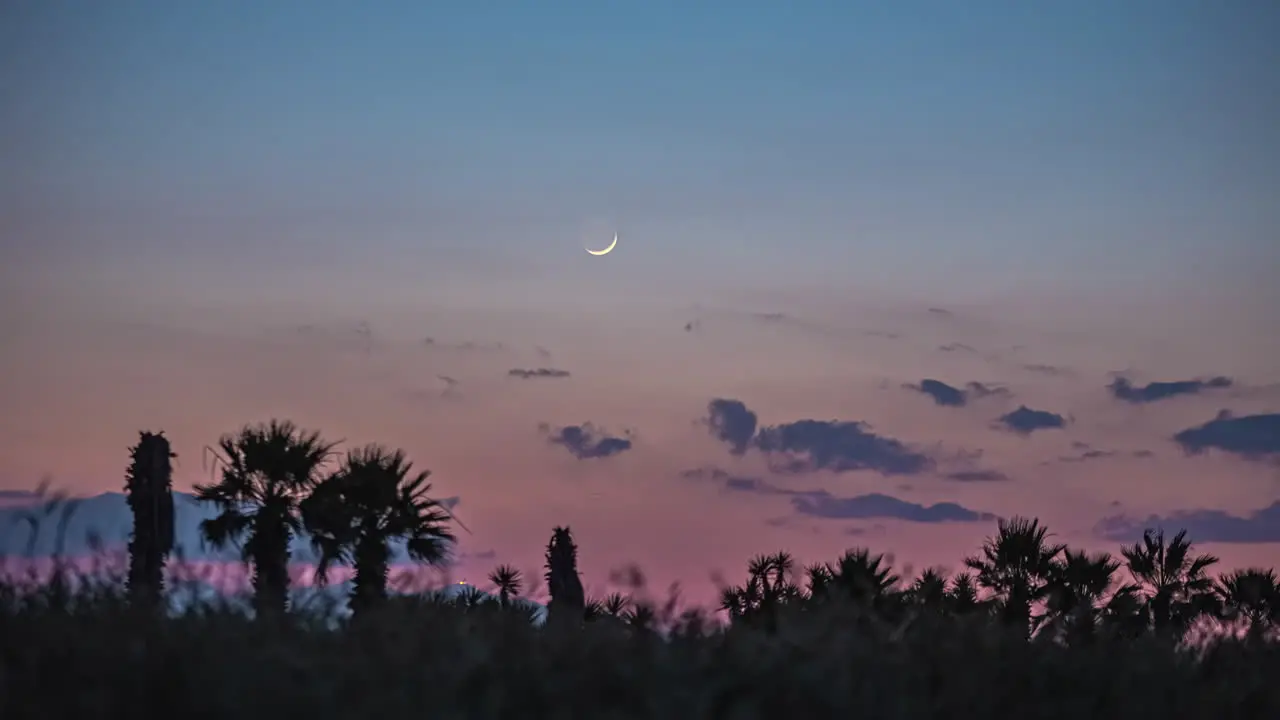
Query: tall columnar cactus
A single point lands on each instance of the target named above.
(568, 601)
(148, 484)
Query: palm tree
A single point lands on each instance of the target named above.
(1077, 585)
(768, 586)
(266, 471)
(1015, 566)
(929, 590)
(1251, 597)
(864, 579)
(353, 516)
(962, 596)
(1174, 584)
(615, 605)
(508, 581)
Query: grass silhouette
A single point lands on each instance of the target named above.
(74, 646)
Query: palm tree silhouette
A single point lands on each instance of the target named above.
(508, 582)
(1076, 599)
(375, 497)
(1251, 597)
(864, 579)
(266, 470)
(768, 587)
(1015, 566)
(962, 595)
(1174, 584)
(928, 591)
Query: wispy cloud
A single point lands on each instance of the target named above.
(1122, 389)
(977, 476)
(822, 504)
(543, 372)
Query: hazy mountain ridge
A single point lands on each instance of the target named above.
(108, 517)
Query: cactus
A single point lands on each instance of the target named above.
(568, 601)
(148, 484)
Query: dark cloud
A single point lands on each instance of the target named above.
(1025, 421)
(956, 347)
(1122, 389)
(587, 441)
(1250, 436)
(949, 396)
(940, 312)
(977, 476)
(538, 373)
(543, 353)
(942, 393)
(732, 423)
(820, 503)
(807, 445)
(883, 334)
(1260, 526)
(769, 316)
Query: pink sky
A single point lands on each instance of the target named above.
(96, 373)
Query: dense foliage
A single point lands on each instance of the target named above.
(1032, 628)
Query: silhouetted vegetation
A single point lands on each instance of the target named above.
(1031, 628)
(149, 489)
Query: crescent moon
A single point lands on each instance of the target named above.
(607, 250)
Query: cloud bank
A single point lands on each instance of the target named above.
(1261, 526)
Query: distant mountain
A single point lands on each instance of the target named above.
(108, 517)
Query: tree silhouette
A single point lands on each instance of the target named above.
(1016, 566)
(1077, 594)
(568, 600)
(768, 587)
(374, 498)
(149, 488)
(508, 582)
(1173, 582)
(1251, 597)
(266, 471)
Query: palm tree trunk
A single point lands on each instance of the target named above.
(369, 587)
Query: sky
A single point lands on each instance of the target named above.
(364, 217)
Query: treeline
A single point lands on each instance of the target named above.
(277, 481)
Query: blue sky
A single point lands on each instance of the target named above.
(960, 148)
